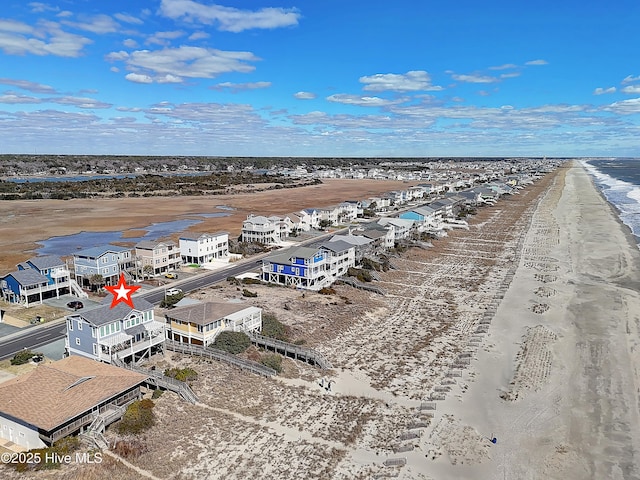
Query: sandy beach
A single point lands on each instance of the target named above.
(524, 328)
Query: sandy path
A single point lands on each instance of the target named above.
(562, 350)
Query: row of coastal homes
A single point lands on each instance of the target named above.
(41, 278)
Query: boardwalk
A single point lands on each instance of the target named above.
(290, 350)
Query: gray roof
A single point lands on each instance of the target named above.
(96, 252)
(284, 256)
(44, 262)
(28, 277)
(205, 313)
(151, 244)
(105, 314)
(336, 246)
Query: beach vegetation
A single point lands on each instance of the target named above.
(137, 418)
(181, 374)
(232, 342)
(23, 356)
(274, 328)
(272, 360)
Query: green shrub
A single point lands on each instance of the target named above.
(247, 293)
(273, 328)
(171, 300)
(251, 281)
(272, 360)
(22, 357)
(157, 393)
(182, 374)
(138, 418)
(232, 342)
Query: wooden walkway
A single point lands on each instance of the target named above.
(290, 350)
(160, 380)
(219, 355)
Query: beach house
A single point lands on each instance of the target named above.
(260, 229)
(159, 256)
(402, 227)
(107, 261)
(62, 398)
(301, 267)
(104, 332)
(340, 257)
(38, 279)
(201, 323)
(204, 248)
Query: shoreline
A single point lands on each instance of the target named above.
(564, 419)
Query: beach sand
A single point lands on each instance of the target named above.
(558, 384)
(523, 328)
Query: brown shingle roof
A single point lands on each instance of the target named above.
(54, 393)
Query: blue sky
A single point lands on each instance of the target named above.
(320, 78)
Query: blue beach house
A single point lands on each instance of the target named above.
(103, 333)
(108, 261)
(300, 267)
(38, 279)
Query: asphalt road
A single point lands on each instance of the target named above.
(32, 338)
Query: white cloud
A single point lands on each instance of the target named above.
(603, 91)
(630, 79)
(363, 101)
(99, 24)
(537, 62)
(304, 95)
(168, 78)
(38, 7)
(506, 66)
(80, 102)
(411, 81)
(18, 99)
(130, 43)
(123, 17)
(633, 89)
(47, 38)
(236, 87)
(510, 75)
(138, 78)
(29, 86)
(475, 78)
(624, 107)
(193, 62)
(161, 38)
(198, 36)
(228, 18)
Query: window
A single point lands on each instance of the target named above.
(77, 341)
(79, 324)
(93, 332)
(70, 325)
(95, 349)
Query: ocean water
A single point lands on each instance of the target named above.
(619, 181)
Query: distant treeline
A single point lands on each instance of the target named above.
(103, 164)
(146, 186)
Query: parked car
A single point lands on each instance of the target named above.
(75, 304)
(36, 320)
(171, 275)
(173, 291)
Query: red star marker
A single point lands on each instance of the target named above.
(122, 292)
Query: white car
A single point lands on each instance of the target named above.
(172, 291)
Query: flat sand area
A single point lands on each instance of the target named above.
(25, 222)
(524, 328)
